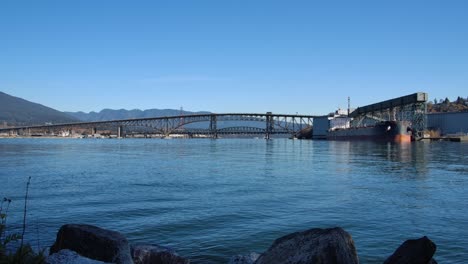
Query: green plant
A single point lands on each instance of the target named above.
(23, 254)
(5, 238)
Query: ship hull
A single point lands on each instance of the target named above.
(388, 131)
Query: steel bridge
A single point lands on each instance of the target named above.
(165, 126)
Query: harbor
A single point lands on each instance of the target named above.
(233, 132)
(402, 119)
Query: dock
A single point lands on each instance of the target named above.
(448, 138)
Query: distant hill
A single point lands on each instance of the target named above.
(109, 114)
(15, 111)
(441, 106)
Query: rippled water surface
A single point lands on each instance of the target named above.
(212, 199)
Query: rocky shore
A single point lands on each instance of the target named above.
(86, 244)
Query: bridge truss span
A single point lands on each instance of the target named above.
(210, 124)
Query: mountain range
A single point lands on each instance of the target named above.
(109, 114)
(15, 111)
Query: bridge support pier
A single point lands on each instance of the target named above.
(269, 125)
(93, 131)
(120, 132)
(213, 128)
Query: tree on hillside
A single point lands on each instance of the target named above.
(458, 105)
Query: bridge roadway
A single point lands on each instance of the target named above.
(274, 124)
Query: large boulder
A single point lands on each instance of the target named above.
(69, 257)
(244, 259)
(415, 251)
(154, 254)
(94, 243)
(324, 246)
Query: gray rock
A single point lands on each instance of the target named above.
(415, 251)
(70, 257)
(324, 246)
(154, 254)
(93, 242)
(244, 259)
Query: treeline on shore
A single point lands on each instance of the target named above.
(445, 105)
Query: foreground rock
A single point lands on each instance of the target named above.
(86, 244)
(94, 243)
(70, 257)
(244, 259)
(152, 254)
(324, 246)
(415, 251)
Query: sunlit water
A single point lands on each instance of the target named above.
(212, 199)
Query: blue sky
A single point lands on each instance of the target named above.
(231, 56)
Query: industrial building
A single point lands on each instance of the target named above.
(448, 123)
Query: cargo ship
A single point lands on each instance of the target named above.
(388, 131)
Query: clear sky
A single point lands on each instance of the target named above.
(231, 56)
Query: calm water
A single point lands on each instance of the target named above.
(212, 199)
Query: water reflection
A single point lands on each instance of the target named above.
(268, 163)
(409, 160)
